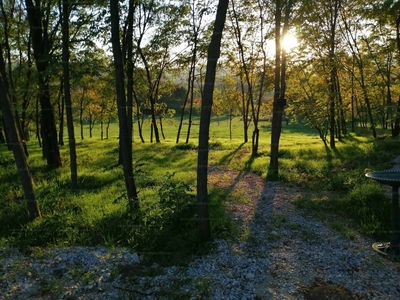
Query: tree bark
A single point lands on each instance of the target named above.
(41, 52)
(61, 106)
(129, 68)
(214, 50)
(125, 141)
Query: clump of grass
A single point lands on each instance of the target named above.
(366, 206)
(369, 207)
(186, 146)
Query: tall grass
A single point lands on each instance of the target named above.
(95, 214)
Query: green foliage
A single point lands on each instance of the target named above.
(369, 207)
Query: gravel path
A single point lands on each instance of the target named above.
(283, 253)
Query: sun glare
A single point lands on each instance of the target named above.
(289, 42)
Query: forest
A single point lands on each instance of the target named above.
(115, 113)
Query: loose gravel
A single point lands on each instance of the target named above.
(282, 253)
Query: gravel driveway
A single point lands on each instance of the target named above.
(283, 253)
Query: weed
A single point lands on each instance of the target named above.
(203, 285)
(342, 228)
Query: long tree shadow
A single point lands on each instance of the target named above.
(226, 159)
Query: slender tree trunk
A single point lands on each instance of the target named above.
(17, 147)
(151, 132)
(185, 102)
(126, 143)
(10, 82)
(101, 130)
(161, 127)
(245, 112)
(129, 68)
(91, 125)
(67, 95)
(230, 123)
(2, 137)
(191, 95)
(81, 114)
(206, 108)
(37, 118)
(26, 96)
(396, 129)
(61, 105)
(138, 116)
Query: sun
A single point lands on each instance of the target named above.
(289, 42)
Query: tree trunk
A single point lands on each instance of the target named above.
(41, 53)
(396, 128)
(161, 127)
(2, 137)
(185, 103)
(67, 96)
(191, 93)
(9, 85)
(61, 105)
(279, 87)
(138, 116)
(230, 123)
(81, 115)
(206, 107)
(91, 125)
(245, 113)
(17, 147)
(37, 118)
(125, 142)
(129, 68)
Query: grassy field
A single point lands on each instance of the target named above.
(96, 214)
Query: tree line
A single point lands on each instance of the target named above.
(98, 61)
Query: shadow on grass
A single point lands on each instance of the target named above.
(226, 159)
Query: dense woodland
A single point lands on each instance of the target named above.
(67, 65)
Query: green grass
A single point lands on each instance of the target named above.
(95, 214)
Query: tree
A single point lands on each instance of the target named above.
(7, 31)
(206, 107)
(155, 48)
(126, 142)
(280, 82)
(248, 30)
(195, 35)
(16, 144)
(351, 35)
(41, 43)
(67, 93)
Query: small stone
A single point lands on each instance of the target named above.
(250, 276)
(105, 277)
(135, 258)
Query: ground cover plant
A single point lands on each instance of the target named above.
(96, 214)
